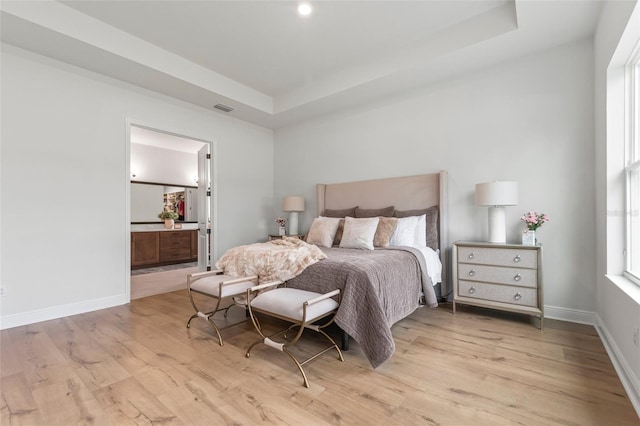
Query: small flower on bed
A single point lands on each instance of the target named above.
(534, 220)
(281, 222)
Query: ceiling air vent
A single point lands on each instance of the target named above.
(223, 107)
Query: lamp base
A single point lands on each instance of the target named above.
(497, 225)
(293, 223)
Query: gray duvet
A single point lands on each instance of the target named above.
(379, 288)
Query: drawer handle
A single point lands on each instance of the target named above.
(517, 277)
(472, 290)
(472, 255)
(517, 259)
(518, 296)
(472, 272)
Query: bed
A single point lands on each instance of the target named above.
(408, 193)
(379, 287)
(382, 286)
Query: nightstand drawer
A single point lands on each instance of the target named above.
(498, 274)
(498, 256)
(498, 293)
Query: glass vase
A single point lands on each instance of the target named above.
(529, 237)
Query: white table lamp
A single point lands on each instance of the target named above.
(293, 205)
(496, 195)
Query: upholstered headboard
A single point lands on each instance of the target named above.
(405, 193)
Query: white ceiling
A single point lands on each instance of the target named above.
(267, 46)
(277, 68)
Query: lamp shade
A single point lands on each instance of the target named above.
(498, 193)
(293, 204)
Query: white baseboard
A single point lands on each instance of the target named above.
(570, 315)
(16, 320)
(629, 381)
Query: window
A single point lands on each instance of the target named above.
(632, 166)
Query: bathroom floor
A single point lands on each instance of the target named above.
(163, 268)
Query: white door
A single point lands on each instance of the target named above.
(191, 204)
(204, 209)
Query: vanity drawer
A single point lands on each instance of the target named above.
(498, 293)
(175, 239)
(175, 246)
(498, 274)
(180, 253)
(520, 258)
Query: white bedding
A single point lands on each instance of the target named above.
(434, 266)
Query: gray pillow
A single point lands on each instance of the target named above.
(383, 212)
(432, 223)
(338, 237)
(340, 213)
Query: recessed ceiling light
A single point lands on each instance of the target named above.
(304, 9)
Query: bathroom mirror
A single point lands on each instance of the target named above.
(148, 199)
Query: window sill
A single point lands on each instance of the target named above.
(627, 286)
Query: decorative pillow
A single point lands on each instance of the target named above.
(359, 233)
(386, 226)
(405, 232)
(322, 231)
(384, 212)
(432, 223)
(340, 213)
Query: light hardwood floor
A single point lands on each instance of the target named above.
(159, 282)
(138, 364)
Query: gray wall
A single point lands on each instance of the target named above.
(64, 183)
(528, 120)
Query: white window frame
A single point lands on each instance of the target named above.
(632, 159)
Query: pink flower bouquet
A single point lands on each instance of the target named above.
(534, 220)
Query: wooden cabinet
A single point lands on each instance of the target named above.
(145, 249)
(498, 276)
(156, 248)
(175, 246)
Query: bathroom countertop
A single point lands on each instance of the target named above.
(161, 228)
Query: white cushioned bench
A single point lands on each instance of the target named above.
(301, 308)
(221, 287)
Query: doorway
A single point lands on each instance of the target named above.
(167, 173)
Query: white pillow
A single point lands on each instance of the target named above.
(322, 231)
(421, 232)
(405, 233)
(359, 233)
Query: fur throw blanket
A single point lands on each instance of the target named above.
(274, 260)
